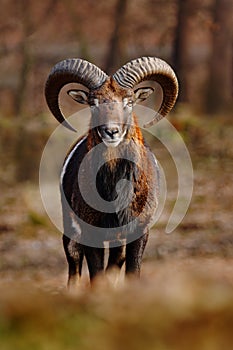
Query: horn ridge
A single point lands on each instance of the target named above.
(150, 68)
(72, 70)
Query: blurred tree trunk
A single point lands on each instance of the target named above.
(220, 81)
(115, 55)
(181, 58)
(29, 24)
(24, 56)
(77, 23)
(27, 143)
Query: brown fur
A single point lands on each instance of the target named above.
(143, 176)
(110, 91)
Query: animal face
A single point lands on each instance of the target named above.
(112, 121)
(111, 109)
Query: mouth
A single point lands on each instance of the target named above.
(111, 138)
(111, 143)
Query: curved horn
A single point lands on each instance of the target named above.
(151, 68)
(73, 70)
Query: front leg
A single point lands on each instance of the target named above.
(95, 260)
(74, 254)
(134, 254)
(116, 257)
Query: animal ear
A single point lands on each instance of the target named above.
(141, 94)
(79, 96)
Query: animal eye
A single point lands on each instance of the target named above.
(94, 103)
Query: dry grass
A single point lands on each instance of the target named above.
(177, 305)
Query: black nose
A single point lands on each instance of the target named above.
(112, 131)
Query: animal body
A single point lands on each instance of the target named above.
(110, 178)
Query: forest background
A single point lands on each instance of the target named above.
(196, 38)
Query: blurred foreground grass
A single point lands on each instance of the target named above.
(175, 309)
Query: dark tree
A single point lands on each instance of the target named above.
(29, 25)
(181, 46)
(220, 80)
(116, 46)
